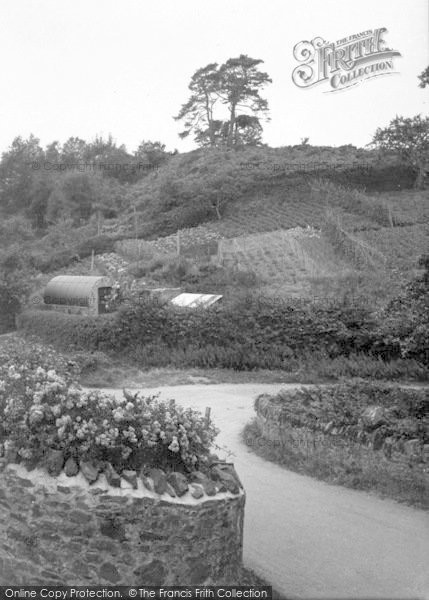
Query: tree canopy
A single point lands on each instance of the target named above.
(72, 181)
(409, 137)
(226, 107)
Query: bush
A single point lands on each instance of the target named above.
(9, 307)
(404, 324)
(42, 411)
(14, 288)
(363, 365)
(332, 338)
(30, 352)
(73, 332)
(342, 405)
(52, 261)
(100, 244)
(249, 329)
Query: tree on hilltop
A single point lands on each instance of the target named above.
(235, 85)
(198, 110)
(241, 82)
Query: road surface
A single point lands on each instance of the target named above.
(307, 538)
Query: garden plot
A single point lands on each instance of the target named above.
(402, 246)
(286, 259)
(410, 207)
(263, 214)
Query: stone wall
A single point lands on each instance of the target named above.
(365, 441)
(61, 530)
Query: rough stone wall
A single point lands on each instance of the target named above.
(76, 535)
(277, 431)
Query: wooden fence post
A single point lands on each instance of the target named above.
(219, 252)
(390, 216)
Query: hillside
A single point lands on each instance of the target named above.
(249, 220)
(204, 185)
(275, 232)
(284, 256)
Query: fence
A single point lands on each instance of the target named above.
(172, 246)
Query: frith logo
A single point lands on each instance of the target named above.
(344, 63)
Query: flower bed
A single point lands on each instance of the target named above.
(47, 420)
(354, 410)
(363, 435)
(99, 490)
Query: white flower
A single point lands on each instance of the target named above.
(37, 397)
(36, 415)
(174, 447)
(56, 409)
(118, 415)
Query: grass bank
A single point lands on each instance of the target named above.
(340, 469)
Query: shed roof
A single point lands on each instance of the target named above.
(195, 300)
(75, 286)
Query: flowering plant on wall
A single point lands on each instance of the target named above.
(42, 411)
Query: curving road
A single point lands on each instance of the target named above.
(307, 538)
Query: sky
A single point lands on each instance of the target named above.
(98, 67)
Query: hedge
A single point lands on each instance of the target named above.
(259, 327)
(74, 332)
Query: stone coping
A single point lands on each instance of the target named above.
(39, 477)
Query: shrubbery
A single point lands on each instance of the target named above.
(100, 244)
(254, 332)
(28, 351)
(9, 307)
(74, 332)
(249, 327)
(42, 409)
(51, 261)
(45, 256)
(363, 435)
(404, 327)
(343, 405)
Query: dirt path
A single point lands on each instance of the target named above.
(310, 539)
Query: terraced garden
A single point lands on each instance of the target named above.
(275, 234)
(409, 208)
(284, 260)
(401, 246)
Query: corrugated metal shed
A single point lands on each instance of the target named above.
(76, 290)
(195, 300)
